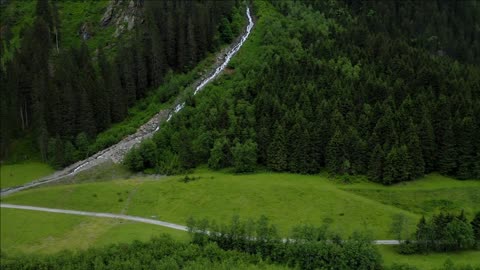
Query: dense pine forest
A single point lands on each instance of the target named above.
(64, 96)
(376, 88)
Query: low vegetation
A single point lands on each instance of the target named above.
(284, 198)
(20, 173)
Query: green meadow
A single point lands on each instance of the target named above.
(287, 199)
(17, 174)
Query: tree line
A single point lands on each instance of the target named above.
(444, 232)
(325, 89)
(60, 95)
(307, 248)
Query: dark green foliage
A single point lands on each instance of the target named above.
(219, 154)
(397, 164)
(476, 228)
(330, 86)
(59, 91)
(307, 248)
(158, 253)
(443, 232)
(142, 157)
(377, 164)
(244, 156)
(277, 153)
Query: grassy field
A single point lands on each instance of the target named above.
(17, 174)
(35, 232)
(287, 199)
(429, 261)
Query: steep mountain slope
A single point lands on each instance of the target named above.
(55, 90)
(323, 88)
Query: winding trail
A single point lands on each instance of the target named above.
(132, 218)
(117, 152)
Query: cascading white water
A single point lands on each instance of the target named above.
(219, 69)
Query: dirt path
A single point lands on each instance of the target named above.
(117, 152)
(133, 218)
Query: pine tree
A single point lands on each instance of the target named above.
(465, 149)
(417, 165)
(376, 165)
(128, 76)
(142, 76)
(397, 164)
(476, 227)
(427, 142)
(103, 117)
(295, 148)
(85, 116)
(43, 11)
(335, 157)
(447, 162)
(277, 153)
(118, 104)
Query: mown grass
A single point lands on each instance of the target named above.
(26, 231)
(17, 174)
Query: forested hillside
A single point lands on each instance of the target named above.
(321, 85)
(64, 95)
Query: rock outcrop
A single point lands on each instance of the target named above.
(123, 14)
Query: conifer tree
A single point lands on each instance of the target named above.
(447, 161)
(119, 104)
(427, 142)
(417, 164)
(85, 116)
(141, 68)
(277, 153)
(476, 228)
(466, 149)
(376, 165)
(335, 153)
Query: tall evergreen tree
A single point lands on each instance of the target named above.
(376, 165)
(335, 153)
(277, 153)
(427, 142)
(447, 161)
(466, 149)
(417, 168)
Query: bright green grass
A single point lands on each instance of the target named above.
(427, 195)
(287, 199)
(429, 261)
(17, 174)
(26, 231)
(98, 197)
(73, 14)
